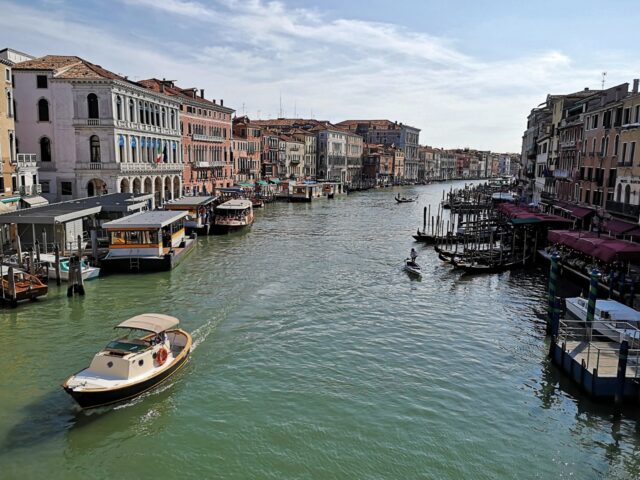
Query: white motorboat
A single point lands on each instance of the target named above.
(88, 272)
(151, 350)
(412, 267)
(612, 319)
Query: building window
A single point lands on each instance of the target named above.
(92, 105)
(119, 107)
(94, 143)
(45, 186)
(632, 152)
(627, 194)
(619, 193)
(615, 145)
(66, 188)
(7, 75)
(624, 152)
(140, 112)
(41, 81)
(43, 110)
(164, 118)
(132, 110)
(45, 149)
(172, 116)
(9, 105)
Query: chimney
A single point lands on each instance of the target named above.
(636, 81)
(214, 101)
(202, 93)
(586, 89)
(221, 102)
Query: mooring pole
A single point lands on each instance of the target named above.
(424, 219)
(591, 304)
(56, 266)
(622, 372)
(553, 282)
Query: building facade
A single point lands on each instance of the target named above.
(97, 132)
(206, 130)
(248, 150)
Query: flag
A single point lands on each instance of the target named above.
(158, 152)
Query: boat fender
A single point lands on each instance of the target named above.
(161, 356)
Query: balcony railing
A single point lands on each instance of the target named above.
(132, 167)
(25, 160)
(93, 122)
(625, 209)
(207, 138)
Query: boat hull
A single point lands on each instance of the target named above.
(224, 229)
(147, 264)
(90, 399)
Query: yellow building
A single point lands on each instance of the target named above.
(7, 130)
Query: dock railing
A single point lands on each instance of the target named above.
(598, 352)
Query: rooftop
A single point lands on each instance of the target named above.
(75, 209)
(191, 201)
(150, 219)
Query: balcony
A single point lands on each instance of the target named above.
(93, 122)
(131, 167)
(207, 138)
(569, 144)
(25, 160)
(624, 209)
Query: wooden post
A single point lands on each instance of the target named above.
(13, 295)
(56, 266)
(591, 301)
(19, 250)
(32, 270)
(424, 219)
(622, 372)
(44, 240)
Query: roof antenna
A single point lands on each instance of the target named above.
(604, 76)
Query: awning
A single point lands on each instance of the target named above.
(275, 180)
(262, 182)
(576, 211)
(604, 248)
(249, 185)
(618, 227)
(35, 201)
(10, 200)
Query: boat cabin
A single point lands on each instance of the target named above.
(152, 240)
(305, 192)
(233, 215)
(134, 352)
(200, 210)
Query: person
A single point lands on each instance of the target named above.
(414, 255)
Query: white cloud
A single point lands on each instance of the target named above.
(251, 51)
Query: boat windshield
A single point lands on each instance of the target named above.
(132, 341)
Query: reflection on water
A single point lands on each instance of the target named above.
(315, 355)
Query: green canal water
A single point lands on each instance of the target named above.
(315, 356)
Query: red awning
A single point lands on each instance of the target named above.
(604, 248)
(618, 227)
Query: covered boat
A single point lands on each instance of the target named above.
(233, 215)
(150, 350)
(612, 319)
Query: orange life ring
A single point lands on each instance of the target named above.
(161, 356)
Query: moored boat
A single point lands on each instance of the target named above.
(88, 272)
(233, 215)
(151, 350)
(612, 319)
(404, 199)
(19, 286)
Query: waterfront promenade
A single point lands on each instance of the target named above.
(315, 356)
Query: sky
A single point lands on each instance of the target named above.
(466, 73)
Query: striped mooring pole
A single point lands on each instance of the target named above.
(553, 280)
(591, 305)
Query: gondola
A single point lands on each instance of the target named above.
(430, 239)
(412, 267)
(477, 268)
(404, 200)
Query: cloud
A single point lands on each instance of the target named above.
(251, 52)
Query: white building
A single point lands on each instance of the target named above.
(96, 132)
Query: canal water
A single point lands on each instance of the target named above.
(316, 356)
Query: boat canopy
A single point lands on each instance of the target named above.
(146, 220)
(235, 205)
(150, 322)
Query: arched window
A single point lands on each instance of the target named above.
(92, 106)
(172, 116)
(119, 107)
(602, 147)
(45, 149)
(9, 105)
(94, 143)
(164, 118)
(140, 112)
(615, 145)
(157, 110)
(147, 120)
(605, 150)
(627, 194)
(43, 110)
(619, 193)
(132, 110)
(593, 146)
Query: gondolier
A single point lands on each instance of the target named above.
(413, 255)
